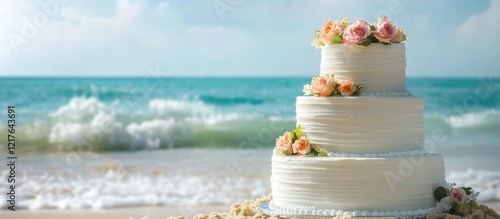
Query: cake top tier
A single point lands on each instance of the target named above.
(370, 55)
(379, 68)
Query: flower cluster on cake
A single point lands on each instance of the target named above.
(358, 33)
(326, 86)
(456, 200)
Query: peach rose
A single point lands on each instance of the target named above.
(457, 194)
(400, 36)
(284, 142)
(356, 33)
(323, 86)
(301, 146)
(346, 88)
(331, 29)
(327, 32)
(385, 30)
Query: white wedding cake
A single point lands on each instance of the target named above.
(358, 147)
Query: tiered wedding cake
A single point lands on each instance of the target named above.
(358, 148)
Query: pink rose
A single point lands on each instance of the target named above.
(323, 86)
(400, 36)
(346, 88)
(356, 33)
(457, 194)
(385, 30)
(284, 142)
(301, 146)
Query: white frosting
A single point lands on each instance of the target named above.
(359, 125)
(331, 184)
(378, 67)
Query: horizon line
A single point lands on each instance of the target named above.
(211, 76)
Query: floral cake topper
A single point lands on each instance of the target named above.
(359, 33)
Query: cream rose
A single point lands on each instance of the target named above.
(356, 33)
(284, 142)
(301, 146)
(323, 86)
(385, 30)
(346, 88)
(400, 36)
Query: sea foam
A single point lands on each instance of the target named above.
(477, 120)
(162, 123)
(164, 178)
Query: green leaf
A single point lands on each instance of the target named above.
(468, 190)
(298, 131)
(372, 27)
(337, 39)
(367, 42)
(313, 152)
(357, 88)
(322, 153)
(454, 209)
(286, 152)
(440, 193)
(293, 135)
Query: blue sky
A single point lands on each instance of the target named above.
(232, 37)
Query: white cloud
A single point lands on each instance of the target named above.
(256, 37)
(485, 26)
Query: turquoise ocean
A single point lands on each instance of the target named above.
(154, 113)
(97, 143)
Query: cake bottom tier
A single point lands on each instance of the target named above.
(331, 184)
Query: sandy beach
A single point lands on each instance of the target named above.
(136, 212)
(117, 213)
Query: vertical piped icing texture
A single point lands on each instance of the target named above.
(378, 67)
(362, 124)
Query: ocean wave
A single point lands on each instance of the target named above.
(485, 121)
(165, 123)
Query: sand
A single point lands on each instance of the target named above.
(247, 209)
(116, 213)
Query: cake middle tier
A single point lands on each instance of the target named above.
(362, 124)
